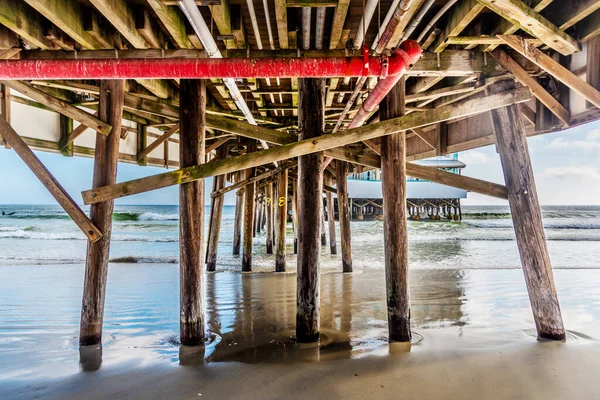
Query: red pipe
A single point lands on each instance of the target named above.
(204, 68)
(410, 51)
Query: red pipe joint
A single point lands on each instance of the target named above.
(409, 52)
(206, 68)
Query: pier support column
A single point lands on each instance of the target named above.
(331, 219)
(106, 158)
(216, 214)
(281, 220)
(239, 216)
(310, 206)
(511, 142)
(191, 211)
(248, 215)
(393, 171)
(295, 213)
(341, 168)
(269, 206)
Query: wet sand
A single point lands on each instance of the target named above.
(474, 338)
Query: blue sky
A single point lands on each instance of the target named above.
(566, 167)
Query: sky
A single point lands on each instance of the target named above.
(566, 166)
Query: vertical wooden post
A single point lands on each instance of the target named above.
(248, 215)
(216, 215)
(331, 219)
(281, 220)
(269, 205)
(191, 211)
(66, 127)
(593, 69)
(310, 206)
(511, 142)
(341, 168)
(441, 135)
(142, 143)
(5, 108)
(295, 213)
(239, 215)
(395, 235)
(323, 235)
(106, 157)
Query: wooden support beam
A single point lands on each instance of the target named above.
(238, 219)
(511, 143)
(269, 215)
(331, 216)
(5, 108)
(122, 17)
(217, 143)
(393, 185)
(259, 177)
(441, 137)
(414, 120)
(158, 141)
(67, 15)
(553, 68)
(145, 27)
(106, 158)
(173, 21)
(60, 106)
(17, 16)
(339, 18)
(13, 139)
(588, 28)
(222, 16)
(566, 13)
(459, 16)
(142, 144)
(238, 30)
(66, 126)
(593, 66)
(216, 216)
(427, 137)
(249, 203)
(445, 91)
(281, 220)
(311, 106)
(536, 89)
(191, 212)
(517, 12)
(341, 169)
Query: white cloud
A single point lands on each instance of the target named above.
(594, 135)
(573, 172)
(586, 145)
(474, 157)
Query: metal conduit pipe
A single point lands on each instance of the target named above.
(268, 18)
(320, 28)
(201, 68)
(365, 22)
(254, 23)
(417, 19)
(306, 14)
(435, 19)
(410, 52)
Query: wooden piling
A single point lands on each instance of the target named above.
(5, 109)
(191, 211)
(310, 206)
(511, 142)
(248, 215)
(323, 235)
(393, 171)
(331, 218)
(239, 215)
(341, 168)
(281, 220)
(295, 213)
(106, 157)
(269, 213)
(216, 214)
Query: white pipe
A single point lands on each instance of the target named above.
(385, 23)
(365, 21)
(306, 14)
(254, 23)
(435, 18)
(417, 19)
(268, 18)
(320, 28)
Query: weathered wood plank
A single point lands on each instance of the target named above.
(553, 68)
(173, 21)
(414, 120)
(341, 169)
(216, 214)
(238, 219)
(249, 211)
(536, 89)
(121, 16)
(23, 20)
(395, 229)
(331, 216)
(191, 212)
(60, 106)
(56, 190)
(460, 15)
(106, 158)
(533, 23)
(281, 220)
(158, 141)
(339, 18)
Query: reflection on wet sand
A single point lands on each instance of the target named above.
(256, 324)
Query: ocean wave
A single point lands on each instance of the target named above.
(118, 216)
(485, 215)
(34, 234)
(546, 226)
(144, 260)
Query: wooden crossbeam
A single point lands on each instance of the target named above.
(589, 27)
(21, 19)
(446, 91)
(45, 177)
(461, 15)
(517, 12)
(158, 141)
(122, 17)
(259, 177)
(173, 21)
(60, 106)
(536, 89)
(566, 13)
(426, 137)
(325, 142)
(553, 68)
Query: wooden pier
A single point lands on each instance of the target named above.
(283, 109)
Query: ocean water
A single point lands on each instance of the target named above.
(465, 283)
(41, 235)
